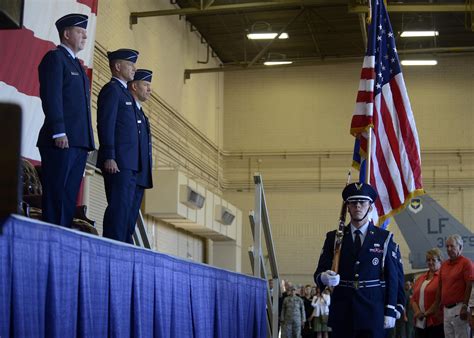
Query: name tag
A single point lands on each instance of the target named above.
(74, 73)
(139, 121)
(128, 103)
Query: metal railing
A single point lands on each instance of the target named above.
(140, 237)
(259, 220)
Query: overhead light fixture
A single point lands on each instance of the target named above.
(277, 59)
(419, 62)
(266, 36)
(262, 30)
(414, 34)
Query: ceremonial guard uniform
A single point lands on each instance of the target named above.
(144, 176)
(365, 293)
(65, 97)
(117, 126)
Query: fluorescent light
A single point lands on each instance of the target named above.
(419, 62)
(413, 34)
(266, 36)
(276, 63)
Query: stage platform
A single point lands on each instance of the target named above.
(56, 282)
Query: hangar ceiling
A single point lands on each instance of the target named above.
(320, 31)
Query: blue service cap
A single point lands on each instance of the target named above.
(143, 75)
(359, 192)
(72, 20)
(123, 54)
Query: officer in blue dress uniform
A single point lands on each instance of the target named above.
(140, 88)
(66, 135)
(365, 287)
(119, 151)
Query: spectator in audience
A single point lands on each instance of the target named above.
(424, 295)
(454, 290)
(292, 315)
(307, 331)
(320, 303)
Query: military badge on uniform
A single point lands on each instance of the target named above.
(375, 261)
(75, 73)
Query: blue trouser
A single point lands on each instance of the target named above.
(120, 191)
(137, 202)
(61, 175)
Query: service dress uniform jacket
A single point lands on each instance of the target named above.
(368, 283)
(144, 176)
(117, 127)
(65, 97)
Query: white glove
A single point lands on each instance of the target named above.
(398, 314)
(330, 278)
(388, 322)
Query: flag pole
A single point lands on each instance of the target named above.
(368, 155)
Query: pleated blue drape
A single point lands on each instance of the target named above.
(60, 283)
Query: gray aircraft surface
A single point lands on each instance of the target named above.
(425, 224)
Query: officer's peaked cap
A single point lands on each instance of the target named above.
(123, 54)
(359, 192)
(143, 75)
(72, 20)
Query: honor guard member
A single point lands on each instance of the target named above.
(140, 88)
(365, 287)
(66, 135)
(119, 160)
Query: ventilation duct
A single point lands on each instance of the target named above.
(224, 215)
(191, 198)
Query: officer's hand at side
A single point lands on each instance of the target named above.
(111, 167)
(330, 278)
(388, 322)
(61, 142)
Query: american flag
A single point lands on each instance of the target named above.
(384, 110)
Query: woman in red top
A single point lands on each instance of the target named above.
(424, 295)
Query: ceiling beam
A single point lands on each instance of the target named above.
(242, 7)
(319, 62)
(418, 8)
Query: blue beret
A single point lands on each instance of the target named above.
(359, 192)
(123, 54)
(143, 75)
(72, 20)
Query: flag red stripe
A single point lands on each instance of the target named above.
(366, 97)
(21, 53)
(367, 74)
(360, 121)
(407, 134)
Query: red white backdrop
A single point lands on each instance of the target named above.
(21, 52)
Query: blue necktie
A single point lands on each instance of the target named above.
(357, 242)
